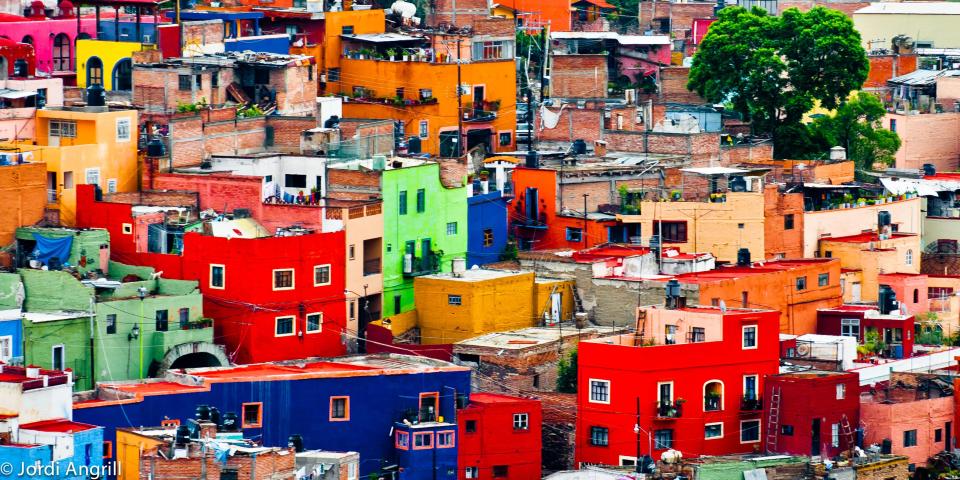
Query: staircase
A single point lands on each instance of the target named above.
(773, 420)
(577, 302)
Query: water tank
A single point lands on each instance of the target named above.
(295, 442)
(332, 122)
(886, 447)
(883, 218)
(673, 288)
(379, 162)
(413, 146)
(155, 148)
(96, 95)
(202, 413)
(215, 416)
(886, 300)
(737, 184)
(929, 169)
(183, 435)
(743, 257)
(579, 147)
(230, 423)
(532, 160)
(459, 266)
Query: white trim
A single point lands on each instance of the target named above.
(10, 339)
(590, 391)
(756, 386)
(126, 228)
(329, 275)
(273, 279)
(756, 336)
(86, 175)
(293, 325)
(223, 276)
(306, 327)
(673, 392)
(621, 458)
(723, 394)
(759, 431)
(705, 425)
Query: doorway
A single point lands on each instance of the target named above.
(815, 437)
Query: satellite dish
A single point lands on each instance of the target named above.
(803, 349)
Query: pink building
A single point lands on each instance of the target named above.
(927, 138)
(17, 114)
(53, 40)
(914, 411)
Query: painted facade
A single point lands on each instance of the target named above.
(896, 331)
(115, 60)
(864, 257)
(53, 40)
(486, 227)
(854, 221)
(11, 331)
(500, 437)
(23, 192)
(818, 413)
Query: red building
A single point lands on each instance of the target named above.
(500, 437)
(691, 375)
(273, 298)
(17, 60)
(893, 329)
(811, 413)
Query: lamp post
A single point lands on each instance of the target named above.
(142, 293)
(637, 430)
(362, 324)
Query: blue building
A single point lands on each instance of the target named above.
(352, 403)
(425, 448)
(127, 29)
(11, 330)
(235, 24)
(486, 227)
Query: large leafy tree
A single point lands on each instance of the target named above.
(772, 69)
(856, 126)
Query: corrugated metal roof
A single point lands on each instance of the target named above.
(621, 39)
(923, 77)
(381, 37)
(910, 8)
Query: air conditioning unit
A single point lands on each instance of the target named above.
(408, 263)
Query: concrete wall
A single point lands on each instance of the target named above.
(23, 194)
(851, 221)
(926, 138)
(938, 29)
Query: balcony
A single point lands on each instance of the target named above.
(414, 266)
(371, 267)
(487, 112)
(751, 404)
(669, 410)
(200, 330)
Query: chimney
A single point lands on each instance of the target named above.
(838, 154)
(599, 148)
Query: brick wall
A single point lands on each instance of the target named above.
(885, 67)
(352, 184)
(296, 88)
(680, 15)
(731, 155)
(267, 466)
(803, 5)
(673, 86)
(458, 12)
(288, 130)
(494, 27)
(700, 147)
(574, 123)
(202, 33)
(191, 140)
(148, 197)
(579, 76)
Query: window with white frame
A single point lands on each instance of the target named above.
(835, 435)
(599, 391)
(909, 257)
(521, 421)
(217, 276)
(850, 327)
(321, 275)
(713, 430)
(451, 228)
(112, 185)
(472, 472)
(599, 436)
(314, 322)
(749, 337)
(841, 391)
(123, 129)
(283, 279)
(63, 128)
(424, 131)
(284, 326)
(92, 176)
(749, 431)
(6, 347)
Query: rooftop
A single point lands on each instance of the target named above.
(488, 398)
(60, 425)
(866, 237)
(915, 8)
(474, 275)
(524, 338)
(814, 374)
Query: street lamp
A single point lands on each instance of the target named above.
(142, 293)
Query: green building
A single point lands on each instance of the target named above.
(84, 248)
(105, 329)
(424, 227)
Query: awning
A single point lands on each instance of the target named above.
(12, 94)
(921, 187)
(382, 38)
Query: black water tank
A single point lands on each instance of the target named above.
(579, 147)
(413, 146)
(96, 96)
(743, 257)
(883, 218)
(202, 413)
(886, 300)
(929, 169)
(215, 416)
(332, 122)
(886, 446)
(230, 422)
(296, 442)
(183, 435)
(737, 184)
(155, 148)
(533, 160)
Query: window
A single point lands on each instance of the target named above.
(823, 279)
(850, 327)
(107, 449)
(841, 391)
(713, 430)
(424, 131)
(217, 276)
(744, 299)
(284, 326)
(63, 128)
(669, 334)
(801, 283)
(663, 439)
(574, 234)
(492, 50)
(252, 415)
(94, 71)
(352, 252)
(333, 75)
(471, 426)
(713, 396)
(346, 29)
(786, 430)
(314, 322)
(910, 438)
(501, 471)
(835, 435)
(321, 275)
(938, 435)
(672, 232)
(749, 337)
(162, 320)
(402, 440)
(397, 301)
(698, 334)
(521, 421)
(599, 436)
(909, 257)
(283, 279)
(828, 254)
(339, 409)
(184, 83)
(426, 93)
(123, 129)
(750, 387)
(112, 185)
(184, 317)
(456, 300)
(506, 139)
(6, 347)
(67, 179)
(445, 439)
(749, 431)
(422, 440)
(403, 202)
(92, 176)
(472, 472)
(916, 295)
(61, 53)
(451, 228)
(291, 180)
(788, 221)
(421, 201)
(111, 323)
(599, 391)
(893, 125)
(488, 237)
(215, 80)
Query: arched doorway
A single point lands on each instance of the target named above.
(94, 71)
(27, 39)
(61, 53)
(196, 360)
(192, 355)
(123, 75)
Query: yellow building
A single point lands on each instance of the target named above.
(107, 62)
(453, 307)
(127, 452)
(929, 24)
(83, 145)
(865, 256)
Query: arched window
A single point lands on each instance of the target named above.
(94, 71)
(123, 75)
(916, 295)
(909, 258)
(27, 39)
(61, 53)
(713, 396)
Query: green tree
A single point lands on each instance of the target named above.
(856, 126)
(567, 374)
(772, 70)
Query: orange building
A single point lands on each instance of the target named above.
(23, 194)
(865, 256)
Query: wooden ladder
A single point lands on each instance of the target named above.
(773, 420)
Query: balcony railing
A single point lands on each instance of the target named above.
(751, 404)
(471, 114)
(414, 266)
(669, 410)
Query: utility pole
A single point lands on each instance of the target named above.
(584, 234)
(459, 103)
(637, 430)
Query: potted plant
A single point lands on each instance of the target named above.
(406, 56)
(861, 202)
(484, 175)
(392, 53)
(675, 195)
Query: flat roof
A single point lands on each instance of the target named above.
(488, 398)
(915, 8)
(523, 338)
(865, 237)
(40, 317)
(713, 170)
(475, 275)
(60, 425)
(381, 37)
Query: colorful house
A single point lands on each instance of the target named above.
(811, 413)
(11, 331)
(486, 226)
(500, 437)
(702, 401)
(894, 330)
(53, 40)
(865, 257)
(332, 400)
(110, 62)
(83, 145)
